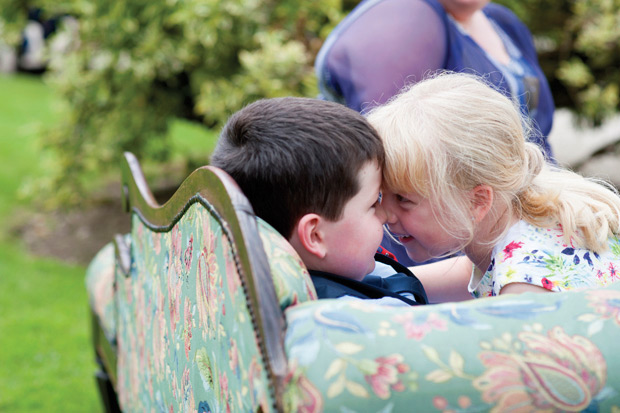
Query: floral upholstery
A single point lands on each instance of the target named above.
(100, 289)
(534, 352)
(186, 340)
(290, 276)
(177, 313)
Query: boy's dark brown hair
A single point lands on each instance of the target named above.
(293, 156)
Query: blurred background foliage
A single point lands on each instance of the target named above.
(578, 44)
(128, 68)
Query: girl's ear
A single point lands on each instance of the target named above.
(310, 236)
(482, 201)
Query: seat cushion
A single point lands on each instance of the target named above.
(100, 289)
(531, 352)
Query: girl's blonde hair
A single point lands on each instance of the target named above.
(447, 134)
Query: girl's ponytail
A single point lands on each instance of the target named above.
(535, 201)
(588, 209)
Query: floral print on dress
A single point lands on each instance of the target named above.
(540, 256)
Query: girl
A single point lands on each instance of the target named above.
(383, 44)
(460, 176)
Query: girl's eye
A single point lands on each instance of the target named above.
(404, 201)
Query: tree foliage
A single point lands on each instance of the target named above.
(139, 63)
(579, 50)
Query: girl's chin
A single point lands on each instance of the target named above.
(418, 255)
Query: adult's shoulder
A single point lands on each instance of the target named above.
(390, 22)
(370, 54)
(505, 17)
(392, 8)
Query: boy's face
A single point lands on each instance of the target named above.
(353, 240)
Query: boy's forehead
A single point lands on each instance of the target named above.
(370, 176)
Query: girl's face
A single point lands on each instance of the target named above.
(411, 219)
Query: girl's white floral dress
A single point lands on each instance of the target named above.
(540, 256)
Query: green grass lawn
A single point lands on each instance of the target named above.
(46, 358)
(46, 362)
(26, 104)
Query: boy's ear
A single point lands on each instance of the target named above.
(310, 235)
(482, 201)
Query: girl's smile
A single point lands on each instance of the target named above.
(412, 221)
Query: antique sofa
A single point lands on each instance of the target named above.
(202, 307)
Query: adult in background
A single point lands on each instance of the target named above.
(383, 45)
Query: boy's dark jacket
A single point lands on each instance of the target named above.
(372, 286)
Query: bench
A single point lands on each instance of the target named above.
(203, 307)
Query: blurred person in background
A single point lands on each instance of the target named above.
(383, 45)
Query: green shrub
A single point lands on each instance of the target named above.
(579, 51)
(138, 64)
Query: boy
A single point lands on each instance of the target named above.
(312, 170)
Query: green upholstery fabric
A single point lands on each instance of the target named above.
(290, 276)
(100, 289)
(533, 352)
(186, 341)
(185, 336)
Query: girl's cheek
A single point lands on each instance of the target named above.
(410, 221)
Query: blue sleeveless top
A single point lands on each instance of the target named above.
(382, 45)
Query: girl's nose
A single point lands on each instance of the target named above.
(381, 213)
(390, 217)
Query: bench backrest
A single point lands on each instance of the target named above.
(195, 301)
